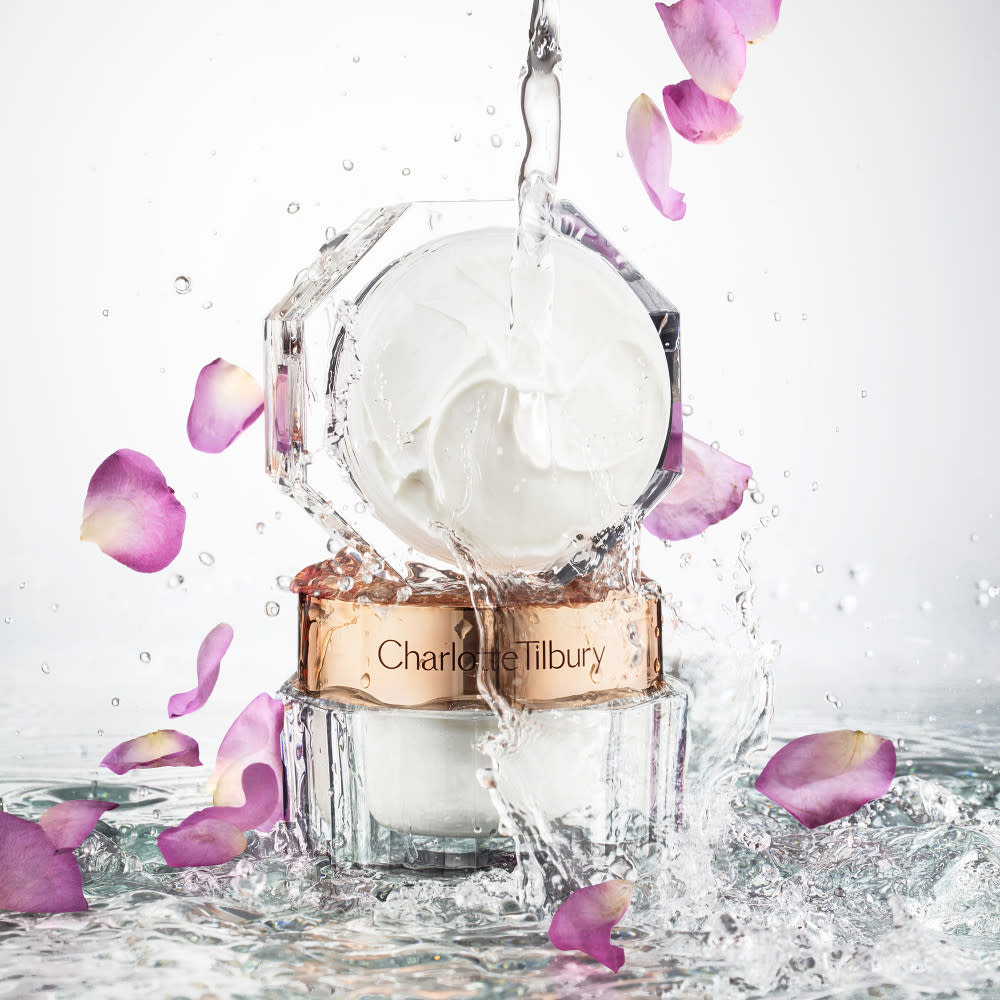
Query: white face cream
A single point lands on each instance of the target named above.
(517, 445)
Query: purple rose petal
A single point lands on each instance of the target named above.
(35, 876)
(697, 116)
(132, 514)
(210, 654)
(163, 748)
(207, 841)
(827, 776)
(254, 738)
(708, 42)
(755, 19)
(584, 921)
(710, 490)
(227, 400)
(648, 138)
(69, 824)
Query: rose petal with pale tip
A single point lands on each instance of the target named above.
(583, 922)
(227, 400)
(254, 738)
(69, 824)
(261, 793)
(36, 876)
(213, 648)
(697, 116)
(207, 841)
(827, 776)
(710, 490)
(132, 514)
(706, 38)
(647, 136)
(755, 19)
(163, 748)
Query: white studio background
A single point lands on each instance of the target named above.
(852, 221)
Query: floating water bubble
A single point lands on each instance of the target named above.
(864, 393)
(357, 59)
(926, 607)
(715, 445)
(848, 604)
(105, 312)
(8, 620)
(366, 680)
(156, 814)
(332, 546)
(329, 233)
(207, 304)
(277, 515)
(53, 607)
(819, 568)
(293, 207)
(730, 297)
(777, 317)
(406, 171)
(490, 109)
(182, 284)
(284, 582)
(973, 537)
(345, 582)
(457, 137)
(272, 609)
(46, 669)
(495, 141)
(115, 702)
(787, 473)
(983, 600)
(757, 496)
(687, 409)
(260, 527)
(175, 581)
(813, 486)
(22, 585)
(861, 573)
(775, 510)
(144, 657)
(833, 699)
(347, 164)
(685, 559)
(100, 732)
(206, 558)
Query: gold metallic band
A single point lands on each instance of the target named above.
(427, 653)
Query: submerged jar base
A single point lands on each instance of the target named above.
(407, 788)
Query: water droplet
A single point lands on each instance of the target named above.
(293, 207)
(345, 582)
(685, 559)
(332, 546)
(833, 699)
(757, 496)
(862, 574)
(687, 409)
(272, 609)
(366, 680)
(594, 671)
(115, 702)
(848, 604)
(8, 620)
(864, 393)
(277, 515)
(777, 317)
(284, 582)
(175, 581)
(260, 527)
(406, 171)
(490, 109)
(787, 473)
(983, 600)
(819, 567)
(357, 59)
(715, 445)
(100, 732)
(926, 607)
(182, 284)
(207, 304)
(206, 558)
(973, 537)
(403, 594)
(730, 297)
(22, 585)
(53, 607)
(156, 814)
(105, 312)
(46, 669)
(495, 141)
(983, 585)
(329, 233)
(805, 316)
(813, 486)
(347, 164)
(775, 510)
(144, 657)
(463, 628)
(457, 137)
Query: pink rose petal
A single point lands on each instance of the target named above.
(164, 748)
(132, 514)
(755, 19)
(206, 841)
(648, 138)
(35, 876)
(697, 116)
(69, 824)
(255, 737)
(827, 776)
(210, 654)
(227, 400)
(261, 794)
(584, 921)
(710, 490)
(708, 42)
